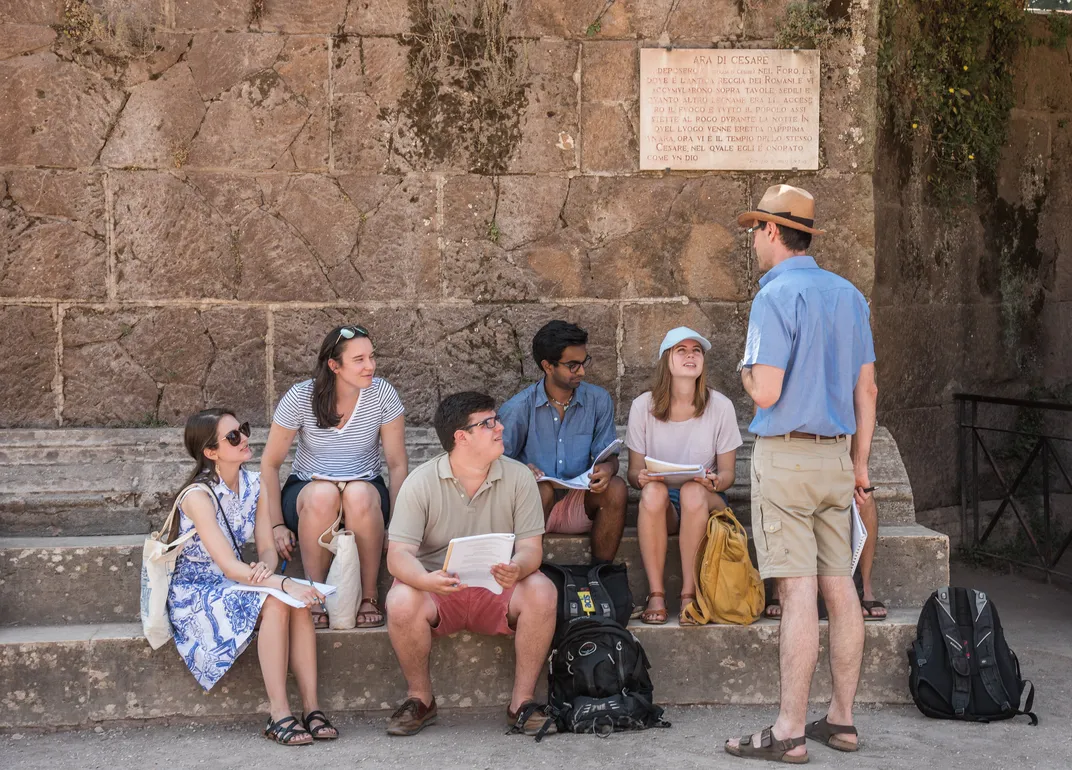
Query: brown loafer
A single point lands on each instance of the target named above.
(530, 719)
(412, 717)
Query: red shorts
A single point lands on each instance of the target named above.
(477, 610)
(568, 516)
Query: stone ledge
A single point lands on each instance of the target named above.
(96, 579)
(67, 676)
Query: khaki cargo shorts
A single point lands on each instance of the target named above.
(801, 493)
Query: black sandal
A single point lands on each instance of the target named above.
(827, 733)
(317, 731)
(285, 732)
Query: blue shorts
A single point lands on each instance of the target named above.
(675, 500)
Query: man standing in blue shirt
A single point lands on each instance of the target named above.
(809, 367)
(558, 427)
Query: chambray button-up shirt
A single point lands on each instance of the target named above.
(816, 326)
(533, 432)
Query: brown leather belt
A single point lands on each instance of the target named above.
(813, 436)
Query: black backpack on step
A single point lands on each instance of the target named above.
(960, 665)
(590, 590)
(598, 682)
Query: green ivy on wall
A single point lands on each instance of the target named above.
(946, 74)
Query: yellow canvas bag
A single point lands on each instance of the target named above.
(728, 586)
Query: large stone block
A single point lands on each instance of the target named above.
(52, 239)
(549, 121)
(1040, 78)
(384, 17)
(761, 18)
(210, 14)
(162, 364)
(55, 113)
(609, 138)
(303, 16)
(221, 60)
(17, 39)
(661, 237)
(916, 366)
(645, 19)
(848, 111)
(370, 76)
(27, 366)
(609, 71)
(31, 11)
(275, 118)
(158, 123)
(705, 20)
(406, 351)
(927, 438)
(170, 241)
(644, 326)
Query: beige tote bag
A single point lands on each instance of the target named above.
(344, 574)
(157, 566)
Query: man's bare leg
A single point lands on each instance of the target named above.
(869, 516)
(532, 614)
(607, 512)
(846, 648)
(410, 617)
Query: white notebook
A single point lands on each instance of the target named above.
(584, 481)
(283, 596)
(663, 468)
(471, 558)
(859, 536)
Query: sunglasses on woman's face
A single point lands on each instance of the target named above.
(234, 437)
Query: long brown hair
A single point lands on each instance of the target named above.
(661, 386)
(199, 435)
(327, 415)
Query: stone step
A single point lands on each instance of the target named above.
(75, 675)
(96, 579)
(113, 481)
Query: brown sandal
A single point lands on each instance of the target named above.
(376, 613)
(827, 734)
(769, 749)
(655, 617)
(683, 619)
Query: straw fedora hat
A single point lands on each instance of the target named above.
(784, 205)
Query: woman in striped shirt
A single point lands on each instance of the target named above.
(340, 417)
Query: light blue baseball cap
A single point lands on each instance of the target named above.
(680, 334)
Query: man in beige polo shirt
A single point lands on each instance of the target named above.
(470, 490)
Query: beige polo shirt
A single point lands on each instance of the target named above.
(432, 507)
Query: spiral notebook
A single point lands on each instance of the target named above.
(859, 537)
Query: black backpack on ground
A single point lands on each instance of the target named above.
(598, 682)
(960, 665)
(590, 590)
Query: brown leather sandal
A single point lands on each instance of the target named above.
(375, 613)
(827, 734)
(770, 748)
(655, 617)
(683, 619)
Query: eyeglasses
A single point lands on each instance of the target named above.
(756, 227)
(487, 422)
(234, 437)
(349, 332)
(573, 366)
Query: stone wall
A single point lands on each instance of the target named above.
(189, 199)
(981, 300)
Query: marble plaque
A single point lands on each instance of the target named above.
(729, 109)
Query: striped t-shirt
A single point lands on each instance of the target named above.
(352, 451)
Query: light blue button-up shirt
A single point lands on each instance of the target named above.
(816, 326)
(563, 448)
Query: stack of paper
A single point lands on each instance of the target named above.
(471, 558)
(584, 481)
(283, 596)
(663, 468)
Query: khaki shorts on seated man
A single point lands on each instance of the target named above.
(470, 490)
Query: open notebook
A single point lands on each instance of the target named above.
(471, 558)
(284, 597)
(663, 468)
(584, 481)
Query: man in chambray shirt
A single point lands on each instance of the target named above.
(558, 427)
(809, 368)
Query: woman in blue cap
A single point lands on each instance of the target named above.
(681, 421)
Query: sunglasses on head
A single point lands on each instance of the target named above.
(234, 437)
(349, 332)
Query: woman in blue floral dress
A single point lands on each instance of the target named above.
(212, 616)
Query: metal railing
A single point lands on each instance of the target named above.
(1041, 452)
